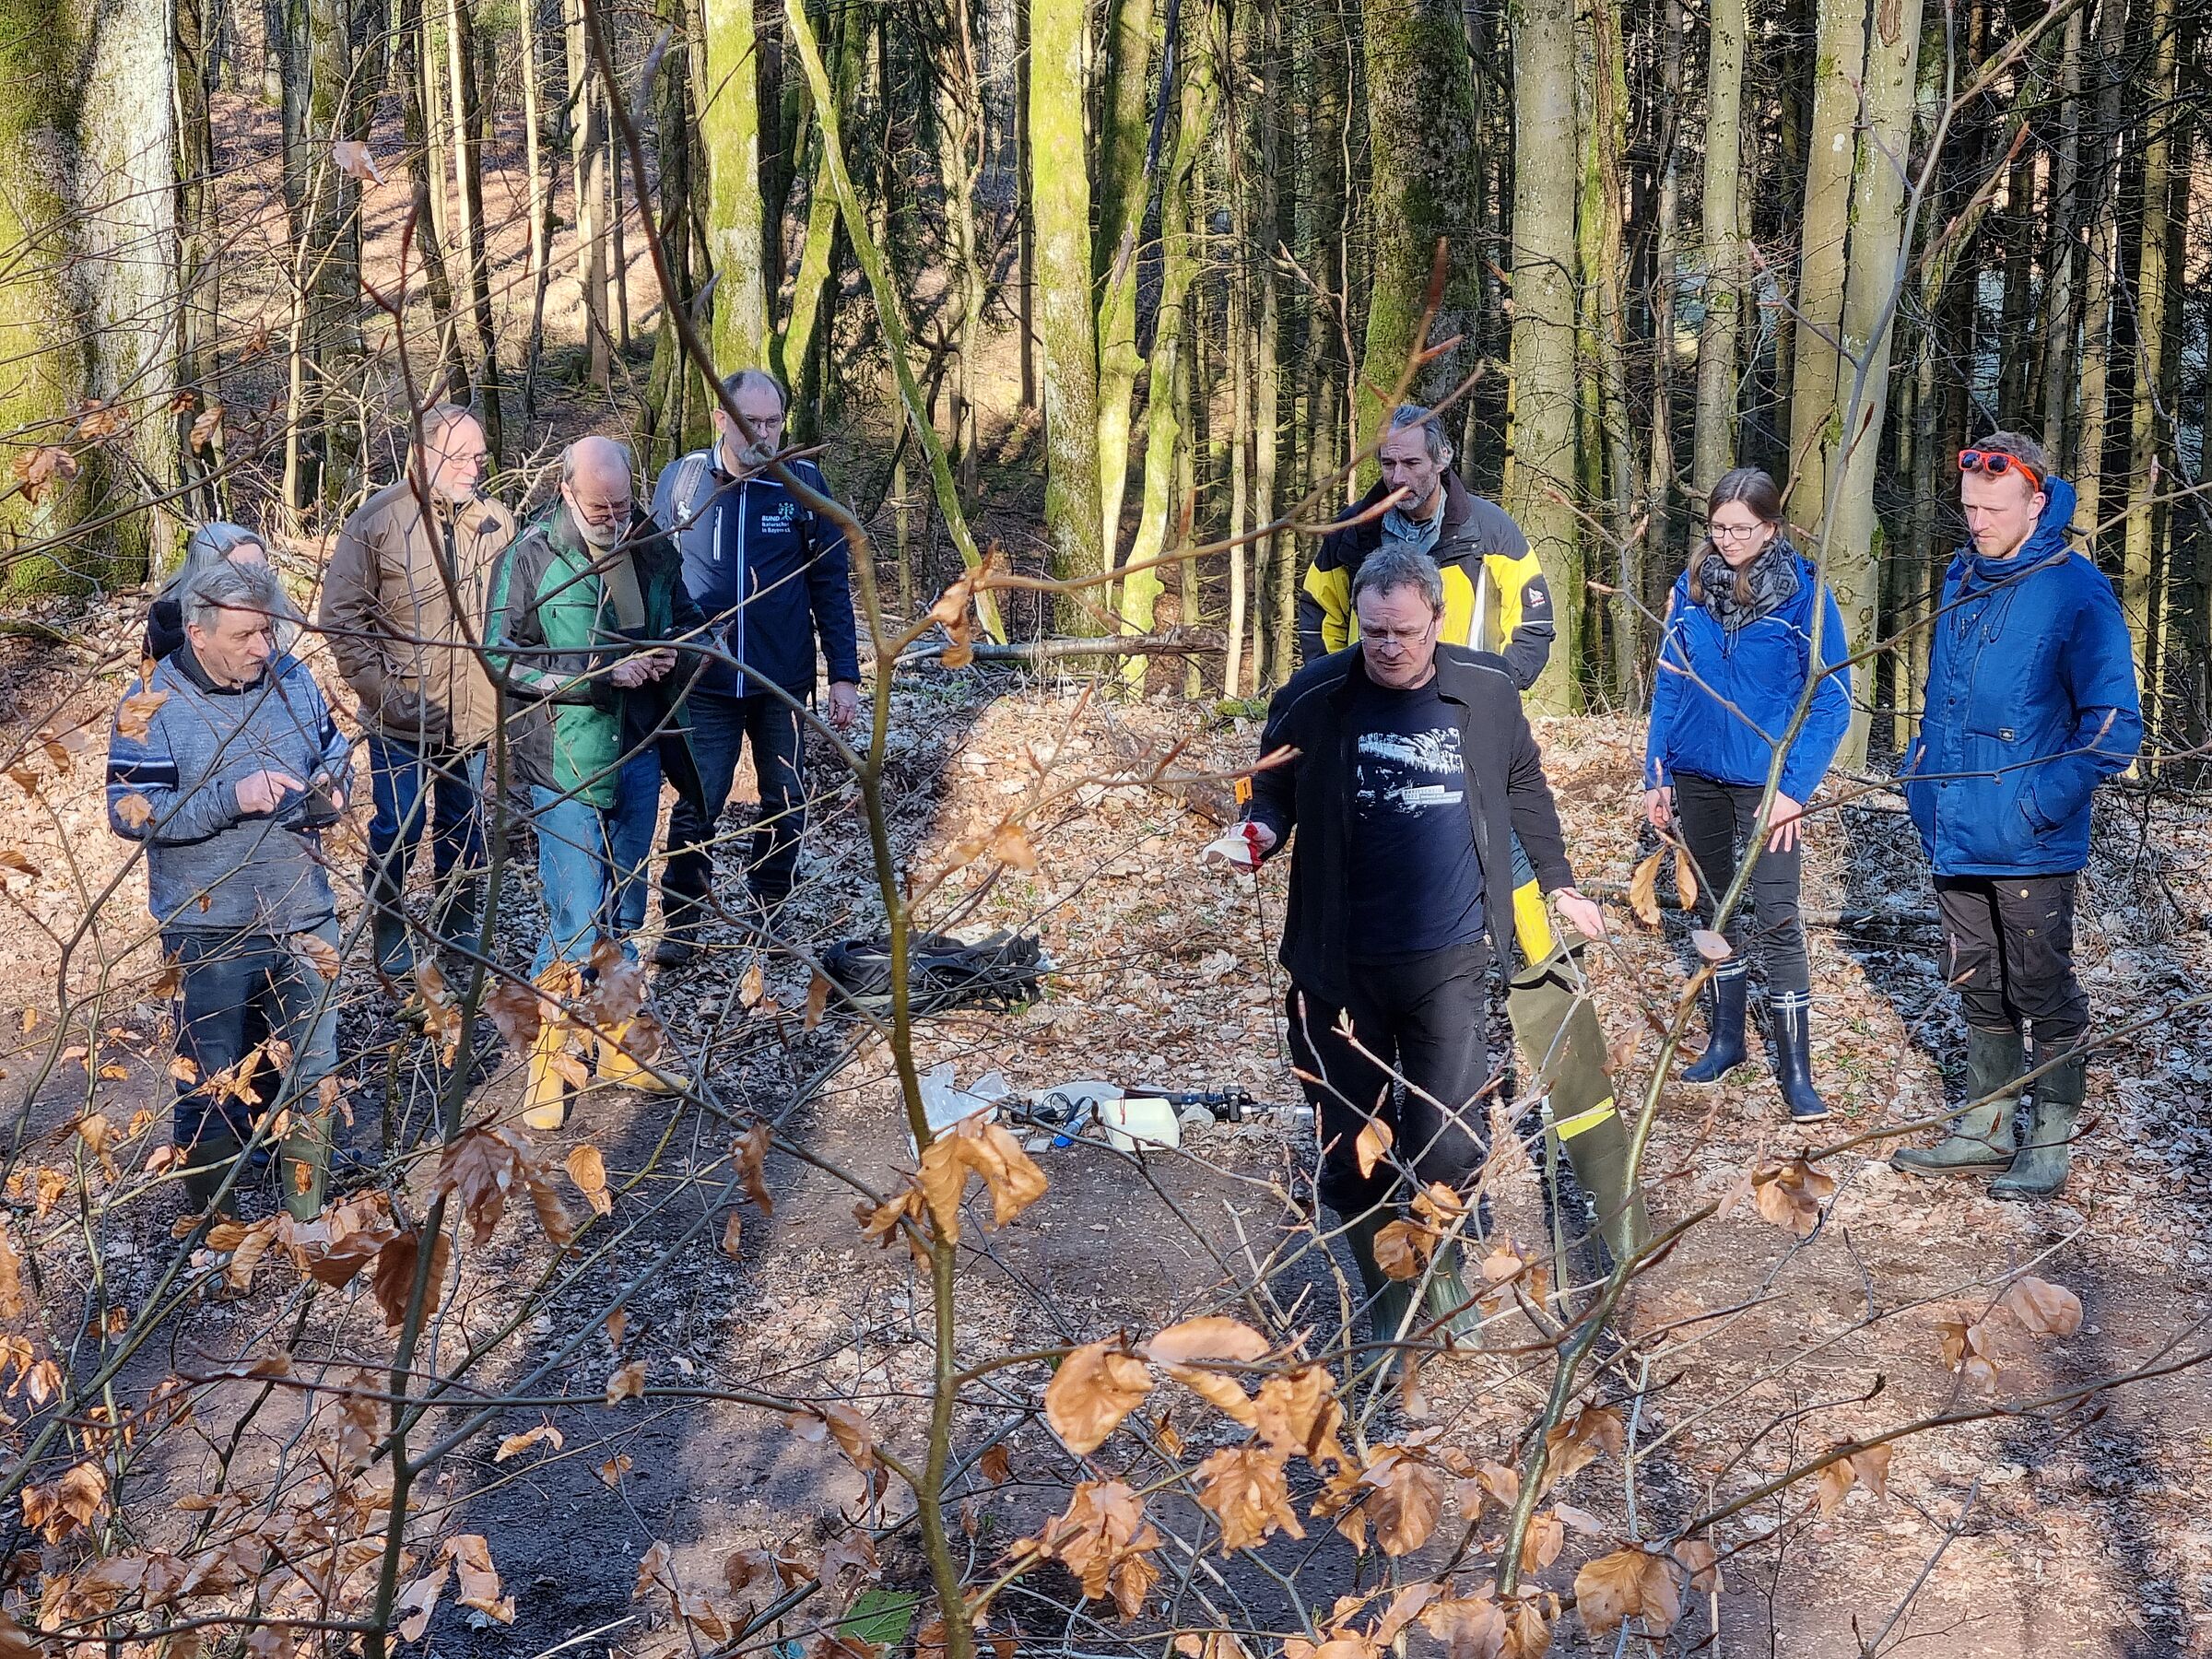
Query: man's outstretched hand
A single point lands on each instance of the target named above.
(844, 704)
(1580, 913)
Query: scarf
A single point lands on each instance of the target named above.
(1772, 578)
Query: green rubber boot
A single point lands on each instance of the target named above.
(1387, 1298)
(1448, 1307)
(303, 1164)
(2045, 1152)
(1557, 1028)
(209, 1162)
(1980, 1136)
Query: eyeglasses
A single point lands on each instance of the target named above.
(1380, 636)
(1720, 532)
(1995, 463)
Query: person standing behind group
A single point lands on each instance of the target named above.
(212, 544)
(772, 576)
(582, 609)
(2031, 703)
(1738, 651)
(396, 606)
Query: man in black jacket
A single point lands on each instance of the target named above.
(1411, 771)
(771, 576)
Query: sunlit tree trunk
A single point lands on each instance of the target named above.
(587, 167)
(1126, 111)
(1716, 445)
(1541, 475)
(468, 156)
(2139, 595)
(1066, 341)
(2098, 273)
(730, 131)
(1426, 185)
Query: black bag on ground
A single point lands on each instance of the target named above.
(943, 972)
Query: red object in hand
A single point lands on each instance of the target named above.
(1252, 840)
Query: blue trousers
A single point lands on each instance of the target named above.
(592, 863)
(414, 783)
(240, 990)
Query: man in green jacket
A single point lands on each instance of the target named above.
(587, 611)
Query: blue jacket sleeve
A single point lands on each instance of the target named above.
(151, 799)
(2098, 670)
(830, 589)
(1829, 717)
(1667, 703)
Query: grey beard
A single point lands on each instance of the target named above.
(601, 538)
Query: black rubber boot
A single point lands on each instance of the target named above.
(1980, 1136)
(2046, 1145)
(1792, 1041)
(1725, 1051)
(393, 950)
(458, 917)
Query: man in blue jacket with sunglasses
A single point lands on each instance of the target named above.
(2031, 703)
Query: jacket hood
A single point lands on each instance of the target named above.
(2049, 537)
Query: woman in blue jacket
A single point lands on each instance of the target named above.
(1748, 620)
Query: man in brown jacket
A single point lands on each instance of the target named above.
(401, 605)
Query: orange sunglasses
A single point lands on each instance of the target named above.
(1995, 463)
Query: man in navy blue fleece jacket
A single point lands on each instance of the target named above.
(2031, 703)
(771, 577)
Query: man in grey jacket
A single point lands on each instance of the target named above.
(226, 764)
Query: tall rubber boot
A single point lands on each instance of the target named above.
(1980, 1136)
(387, 922)
(1725, 1050)
(1447, 1305)
(209, 1162)
(457, 918)
(303, 1164)
(545, 1090)
(1556, 1028)
(2046, 1147)
(1387, 1298)
(1791, 1039)
(618, 1068)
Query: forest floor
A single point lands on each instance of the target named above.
(2079, 1534)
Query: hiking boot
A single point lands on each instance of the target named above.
(2045, 1155)
(1790, 1036)
(674, 950)
(1724, 1051)
(1980, 1136)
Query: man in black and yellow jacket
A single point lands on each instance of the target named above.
(1495, 600)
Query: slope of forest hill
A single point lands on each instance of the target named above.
(2081, 1534)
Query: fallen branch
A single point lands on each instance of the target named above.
(1176, 642)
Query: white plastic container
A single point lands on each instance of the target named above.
(1139, 1124)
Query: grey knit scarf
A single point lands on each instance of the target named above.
(1771, 578)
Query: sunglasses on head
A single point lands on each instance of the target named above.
(1995, 463)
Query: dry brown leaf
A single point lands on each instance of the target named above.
(207, 428)
(352, 158)
(1469, 1627)
(1298, 1412)
(515, 1444)
(753, 986)
(587, 1168)
(1685, 883)
(627, 1383)
(1103, 1538)
(393, 1281)
(1405, 1497)
(42, 468)
(479, 1580)
(1644, 890)
(1541, 1544)
(1371, 1146)
(1094, 1388)
(1245, 1489)
(817, 999)
(1703, 1562)
(1790, 1196)
(1402, 1249)
(1011, 847)
(1712, 946)
(614, 1468)
(988, 1151)
(2041, 1307)
(1211, 1336)
(750, 1151)
(1577, 1441)
(134, 809)
(732, 1234)
(1628, 1583)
